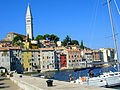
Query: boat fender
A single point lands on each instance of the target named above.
(83, 79)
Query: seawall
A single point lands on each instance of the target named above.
(35, 83)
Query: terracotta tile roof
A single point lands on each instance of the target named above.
(47, 44)
(89, 51)
(83, 58)
(25, 38)
(46, 49)
(52, 43)
(96, 51)
(14, 48)
(16, 34)
(72, 50)
(34, 49)
(8, 48)
(73, 45)
(4, 48)
(61, 48)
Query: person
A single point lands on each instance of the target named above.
(70, 77)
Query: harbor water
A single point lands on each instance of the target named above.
(65, 75)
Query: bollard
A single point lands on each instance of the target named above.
(49, 83)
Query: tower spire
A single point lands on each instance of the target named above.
(28, 10)
(29, 23)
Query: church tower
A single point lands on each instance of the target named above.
(29, 23)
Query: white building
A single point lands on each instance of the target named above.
(108, 54)
(29, 23)
(5, 58)
(47, 59)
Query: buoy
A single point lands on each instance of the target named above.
(83, 79)
(54, 73)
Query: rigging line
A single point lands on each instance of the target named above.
(92, 31)
(117, 7)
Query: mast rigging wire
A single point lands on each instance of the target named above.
(117, 7)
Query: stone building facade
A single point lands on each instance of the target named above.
(47, 59)
(5, 58)
(10, 36)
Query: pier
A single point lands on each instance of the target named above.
(36, 83)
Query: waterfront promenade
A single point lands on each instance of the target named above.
(35, 83)
(7, 84)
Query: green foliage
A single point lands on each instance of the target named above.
(32, 38)
(54, 38)
(74, 42)
(39, 37)
(30, 45)
(28, 38)
(38, 44)
(66, 41)
(47, 37)
(82, 46)
(18, 40)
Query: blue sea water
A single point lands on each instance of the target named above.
(65, 75)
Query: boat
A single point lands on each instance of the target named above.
(106, 79)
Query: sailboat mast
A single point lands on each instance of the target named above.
(116, 53)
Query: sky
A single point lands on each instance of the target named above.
(86, 20)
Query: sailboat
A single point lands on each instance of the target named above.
(107, 79)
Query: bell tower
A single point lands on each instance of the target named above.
(29, 23)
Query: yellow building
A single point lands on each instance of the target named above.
(26, 60)
(26, 45)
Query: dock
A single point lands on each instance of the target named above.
(36, 83)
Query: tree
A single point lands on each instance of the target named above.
(38, 44)
(30, 45)
(28, 38)
(39, 37)
(81, 46)
(54, 38)
(47, 37)
(66, 41)
(17, 40)
(74, 42)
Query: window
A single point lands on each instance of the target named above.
(43, 57)
(30, 64)
(7, 59)
(22, 60)
(29, 60)
(2, 59)
(38, 55)
(52, 57)
(64, 60)
(64, 57)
